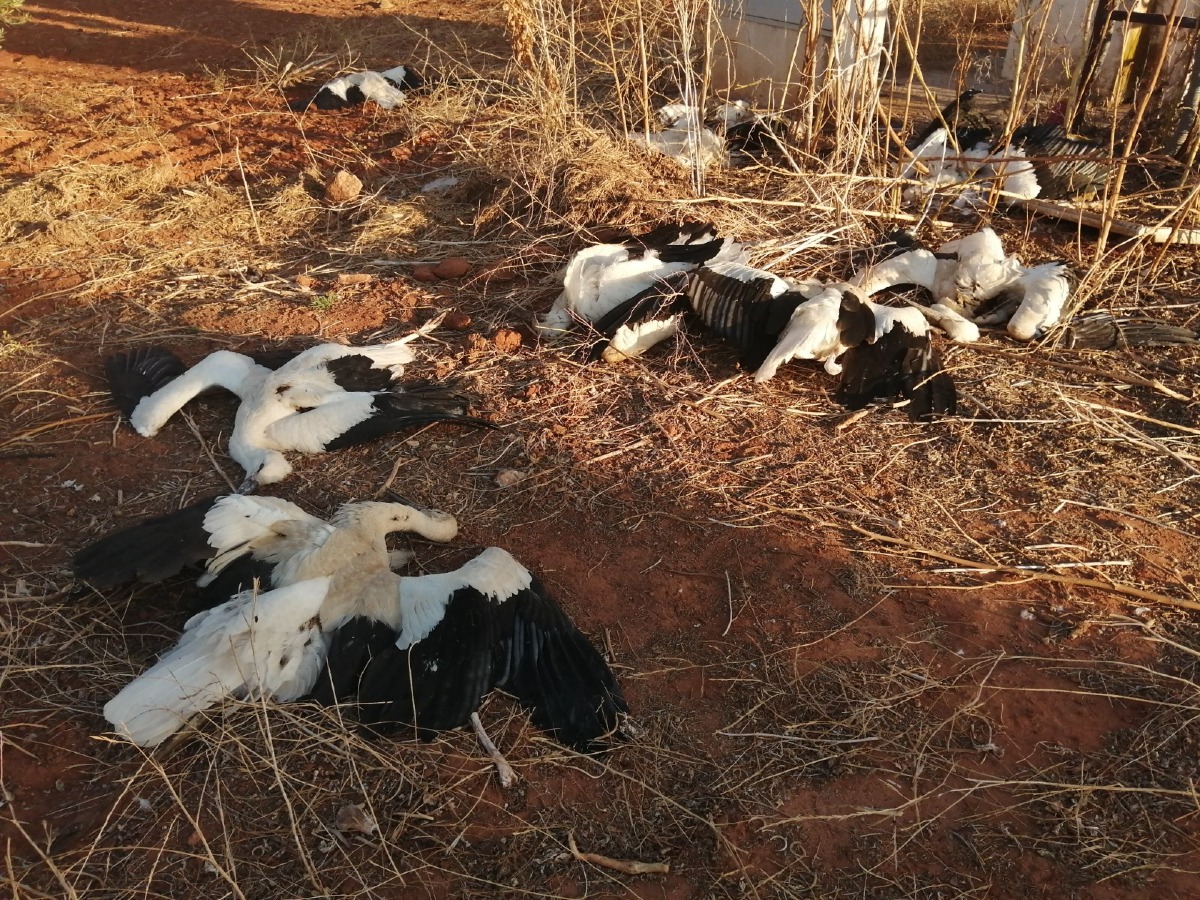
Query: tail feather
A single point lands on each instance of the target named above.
(155, 705)
(268, 645)
(137, 374)
(1106, 332)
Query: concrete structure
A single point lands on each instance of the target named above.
(779, 53)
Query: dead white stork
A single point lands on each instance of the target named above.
(616, 288)
(965, 274)
(238, 538)
(879, 351)
(328, 397)
(416, 651)
(386, 88)
(271, 644)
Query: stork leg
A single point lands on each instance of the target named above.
(503, 770)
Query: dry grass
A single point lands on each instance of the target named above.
(833, 756)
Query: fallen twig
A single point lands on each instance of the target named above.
(628, 866)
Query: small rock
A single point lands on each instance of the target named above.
(424, 273)
(355, 278)
(508, 477)
(306, 282)
(452, 267)
(456, 320)
(507, 340)
(342, 187)
(354, 818)
(385, 5)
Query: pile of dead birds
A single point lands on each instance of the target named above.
(292, 606)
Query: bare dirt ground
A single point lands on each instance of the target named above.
(829, 708)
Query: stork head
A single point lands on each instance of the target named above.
(383, 518)
(263, 467)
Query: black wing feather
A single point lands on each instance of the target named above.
(137, 374)
(743, 313)
(436, 683)
(150, 551)
(357, 372)
(898, 364)
(554, 671)
(408, 405)
(239, 574)
(856, 320)
(351, 649)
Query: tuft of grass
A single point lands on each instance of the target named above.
(12, 12)
(324, 302)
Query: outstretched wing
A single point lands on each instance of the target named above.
(152, 550)
(139, 373)
(553, 670)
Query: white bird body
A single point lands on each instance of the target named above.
(734, 113)
(385, 88)
(811, 333)
(966, 273)
(685, 139)
(273, 644)
(816, 329)
(327, 397)
(1044, 291)
(982, 272)
(888, 317)
(589, 277)
(1017, 176)
(615, 278)
(300, 546)
(919, 267)
(373, 85)
(944, 165)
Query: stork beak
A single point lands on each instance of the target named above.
(249, 485)
(397, 497)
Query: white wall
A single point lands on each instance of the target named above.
(768, 44)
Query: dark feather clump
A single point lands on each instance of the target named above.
(137, 374)
(1102, 331)
(899, 363)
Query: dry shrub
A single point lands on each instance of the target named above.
(944, 34)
